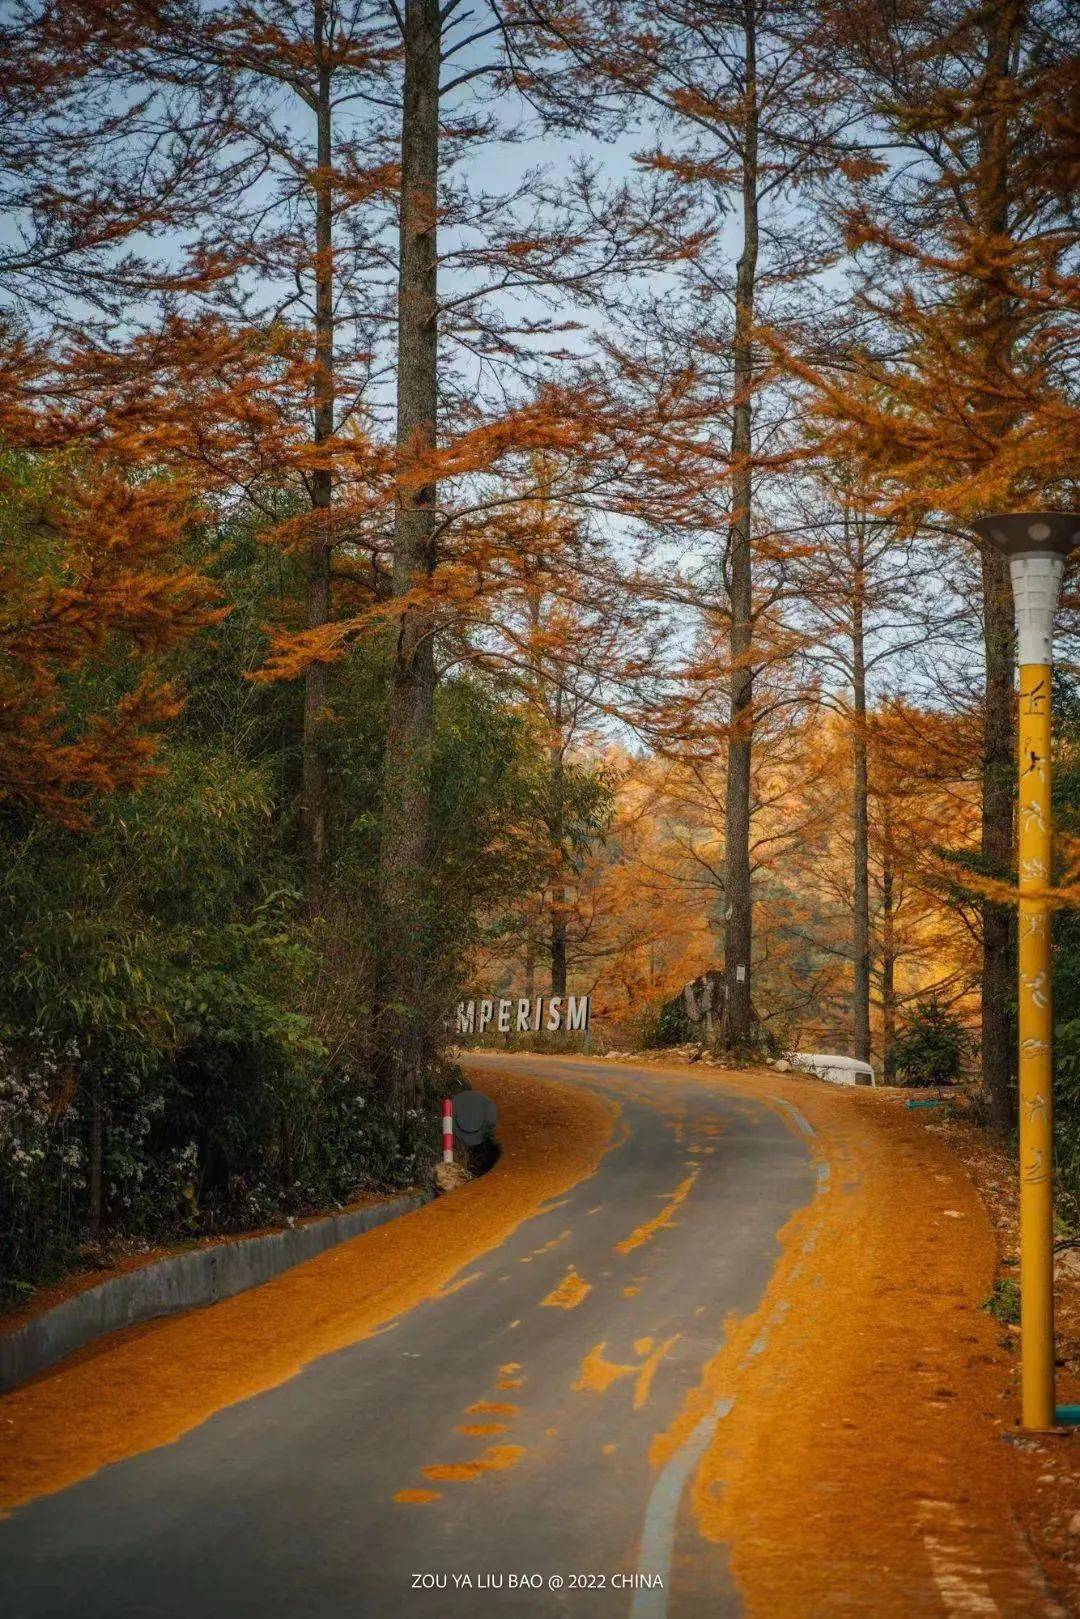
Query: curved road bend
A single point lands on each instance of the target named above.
(574, 1344)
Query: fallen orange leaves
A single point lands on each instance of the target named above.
(148, 1386)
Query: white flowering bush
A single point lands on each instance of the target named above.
(42, 1165)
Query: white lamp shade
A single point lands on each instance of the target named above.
(1036, 582)
(1036, 544)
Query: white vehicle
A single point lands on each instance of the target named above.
(837, 1070)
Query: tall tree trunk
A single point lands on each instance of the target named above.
(558, 942)
(314, 773)
(860, 814)
(738, 920)
(407, 767)
(558, 891)
(888, 938)
(1004, 23)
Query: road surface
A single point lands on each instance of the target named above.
(496, 1440)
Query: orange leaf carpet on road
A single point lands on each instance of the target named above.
(150, 1384)
(864, 1466)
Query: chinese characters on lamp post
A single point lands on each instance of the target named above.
(1036, 544)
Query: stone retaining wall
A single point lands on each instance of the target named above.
(180, 1282)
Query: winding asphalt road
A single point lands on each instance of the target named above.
(574, 1343)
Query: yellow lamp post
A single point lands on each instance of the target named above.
(1036, 544)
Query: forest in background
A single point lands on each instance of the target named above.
(484, 501)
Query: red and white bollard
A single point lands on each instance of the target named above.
(448, 1131)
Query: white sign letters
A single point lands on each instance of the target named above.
(554, 1014)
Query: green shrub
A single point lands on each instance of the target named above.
(1004, 1302)
(150, 1024)
(667, 1025)
(931, 1047)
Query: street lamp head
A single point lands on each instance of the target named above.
(1036, 544)
(1040, 534)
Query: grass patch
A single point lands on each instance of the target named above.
(1004, 1302)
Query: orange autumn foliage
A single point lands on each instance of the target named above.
(93, 584)
(645, 910)
(961, 399)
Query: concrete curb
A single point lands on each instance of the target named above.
(180, 1282)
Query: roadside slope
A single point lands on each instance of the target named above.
(865, 1465)
(148, 1385)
